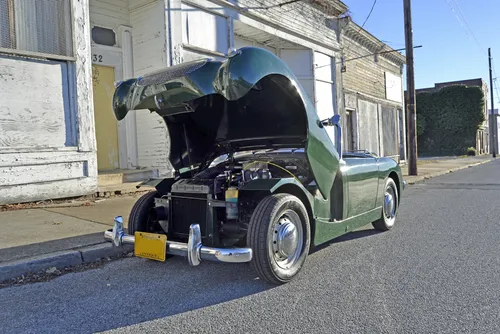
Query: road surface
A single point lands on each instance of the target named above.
(437, 271)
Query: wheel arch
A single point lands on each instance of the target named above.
(295, 190)
(393, 175)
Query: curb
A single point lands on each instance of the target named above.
(60, 260)
(430, 176)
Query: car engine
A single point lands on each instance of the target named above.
(211, 197)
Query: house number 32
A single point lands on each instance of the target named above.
(97, 58)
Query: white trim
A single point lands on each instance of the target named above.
(380, 135)
(372, 98)
(313, 71)
(215, 11)
(230, 32)
(129, 155)
(36, 149)
(197, 49)
(41, 55)
(175, 31)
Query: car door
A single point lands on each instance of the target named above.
(362, 177)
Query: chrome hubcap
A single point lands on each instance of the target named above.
(390, 203)
(287, 240)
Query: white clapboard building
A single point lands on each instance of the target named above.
(60, 60)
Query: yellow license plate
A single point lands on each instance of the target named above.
(150, 246)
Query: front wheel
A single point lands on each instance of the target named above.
(139, 215)
(389, 207)
(279, 234)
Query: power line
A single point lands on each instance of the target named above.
(467, 24)
(467, 29)
(370, 13)
(362, 26)
(495, 84)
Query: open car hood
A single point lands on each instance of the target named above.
(251, 100)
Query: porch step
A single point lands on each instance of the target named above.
(118, 189)
(119, 176)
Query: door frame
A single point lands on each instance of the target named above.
(354, 127)
(122, 62)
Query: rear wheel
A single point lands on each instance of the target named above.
(139, 215)
(279, 234)
(389, 207)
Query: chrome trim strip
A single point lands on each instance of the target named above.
(194, 249)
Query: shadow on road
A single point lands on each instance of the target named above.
(346, 237)
(132, 291)
(125, 292)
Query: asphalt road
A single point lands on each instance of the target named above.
(437, 271)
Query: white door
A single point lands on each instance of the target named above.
(324, 76)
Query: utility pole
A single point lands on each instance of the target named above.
(411, 116)
(492, 116)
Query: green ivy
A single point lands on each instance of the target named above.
(447, 120)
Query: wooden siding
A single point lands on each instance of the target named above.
(149, 47)
(49, 162)
(109, 13)
(365, 75)
(299, 18)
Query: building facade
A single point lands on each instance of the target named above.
(373, 92)
(113, 40)
(482, 137)
(47, 148)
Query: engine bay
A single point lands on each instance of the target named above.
(233, 173)
(215, 198)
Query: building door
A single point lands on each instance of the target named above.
(106, 126)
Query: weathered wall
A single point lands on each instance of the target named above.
(109, 13)
(149, 52)
(47, 146)
(173, 31)
(373, 90)
(298, 18)
(364, 74)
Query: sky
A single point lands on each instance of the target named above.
(447, 31)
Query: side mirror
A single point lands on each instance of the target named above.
(335, 121)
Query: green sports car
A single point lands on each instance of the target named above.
(257, 178)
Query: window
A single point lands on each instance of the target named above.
(41, 26)
(103, 36)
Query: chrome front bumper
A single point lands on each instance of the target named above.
(194, 250)
(404, 185)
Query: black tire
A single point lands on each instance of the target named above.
(139, 219)
(389, 213)
(273, 213)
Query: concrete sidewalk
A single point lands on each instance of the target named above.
(43, 238)
(428, 168)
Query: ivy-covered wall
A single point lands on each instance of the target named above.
(448, 120)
